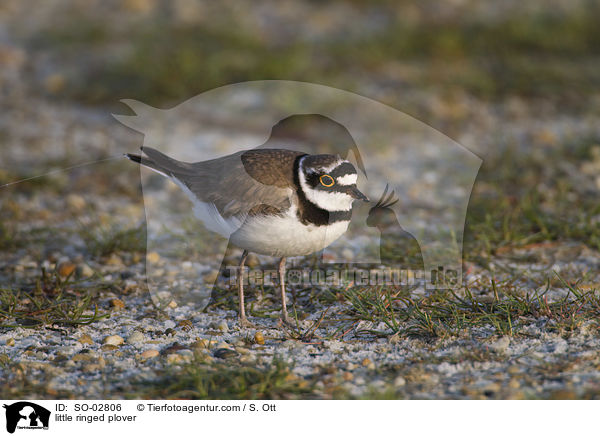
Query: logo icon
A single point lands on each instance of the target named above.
(26, 415)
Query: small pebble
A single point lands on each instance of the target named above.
(491, 388)
(114, 260)
(10, 342)
(500, 345)
(223, 327)
(185, 325)
(113, 340)
(86, 339)
(75, 202)
(399, 381)
(200, 344)
(149, 354)
(117, 304)
(65, 269)
(85, 271)
(248, 358)
(174, 348)
(203, 356)
(225, 353)
(368, 363)
(153, 257)
(259, 338)
(135, 338)
(175, 358)
(513, 369)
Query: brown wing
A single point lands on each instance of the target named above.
(247, 182)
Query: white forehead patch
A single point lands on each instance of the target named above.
(347, 179)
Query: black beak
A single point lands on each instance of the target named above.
(355, 193)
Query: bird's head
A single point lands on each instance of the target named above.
(329, 182)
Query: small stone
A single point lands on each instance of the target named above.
(225, 353)
(500, 345)
(368, 363)
(113, 340)
(117, 304)
(203, 356)
(223, 327)
(174, 358)
(248, 358)
(200, 344)
(153, 257)
(223, 345)
(513, 369)
(394, 339)
(259, 338)
(75, 202)
(399, 381)
(85, 271)
(65, 269)
(114, 260)
(86, 339)
(172, 304)
(563, 394)
(185, 325)
(95, 365)
(149, 354)
(109, 347)
(347, 376)
(135, 338)
(170, 332)
(10, 342)
(491, 388)
(54, 83)
(174, 348)
(514, 384)
(85, 356)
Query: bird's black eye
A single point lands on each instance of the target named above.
(327, 181)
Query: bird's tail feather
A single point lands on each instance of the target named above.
(162, 164)
(149, 163)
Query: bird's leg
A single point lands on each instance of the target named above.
(243, 320)
(284, 314)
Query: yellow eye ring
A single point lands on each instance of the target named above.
(327, 180)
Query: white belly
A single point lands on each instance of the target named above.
(285, 236)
